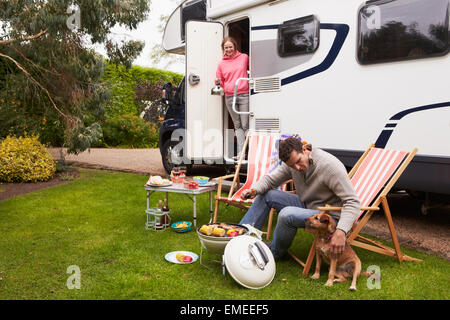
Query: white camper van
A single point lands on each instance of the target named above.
(342, 74)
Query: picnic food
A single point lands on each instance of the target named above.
(221, 230)
(208, 230)
(182, 225)
(158, 180)
(218, 232)
(232, 233)
(183, 258)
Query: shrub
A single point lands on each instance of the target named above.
(130, 131)
(25, 159)
(126, 87)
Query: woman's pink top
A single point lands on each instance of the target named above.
(231, 69)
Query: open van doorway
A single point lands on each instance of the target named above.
(240, 31)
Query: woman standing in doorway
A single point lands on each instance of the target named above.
(234, 65)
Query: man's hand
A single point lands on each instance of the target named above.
(248, 194)
(337, 244)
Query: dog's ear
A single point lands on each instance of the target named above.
(325, 218)
(331, 225)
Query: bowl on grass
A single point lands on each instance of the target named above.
(181, 226)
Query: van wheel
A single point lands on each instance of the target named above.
(172, 155)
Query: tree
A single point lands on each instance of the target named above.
(48, 73)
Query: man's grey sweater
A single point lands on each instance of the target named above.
(325, 182)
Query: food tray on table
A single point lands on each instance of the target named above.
(158, 181)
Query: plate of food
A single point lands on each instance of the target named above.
(181, 257)
(158, 181)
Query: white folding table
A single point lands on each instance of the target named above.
(190, 193)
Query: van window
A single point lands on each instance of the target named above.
(402, 30)
(298, 36)
(192, 10)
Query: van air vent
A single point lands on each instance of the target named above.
(266, 84)
(267, 124)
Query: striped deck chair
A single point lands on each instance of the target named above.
(373, 176)
(262, 160)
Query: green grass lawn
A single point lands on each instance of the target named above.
(97, 222)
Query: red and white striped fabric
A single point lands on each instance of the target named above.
(262, 159)
(374, 172)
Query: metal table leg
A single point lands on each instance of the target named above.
(195, 211)
(149, 193)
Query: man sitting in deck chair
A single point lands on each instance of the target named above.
(319, 178)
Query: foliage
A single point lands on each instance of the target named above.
(122, 55)
(25, 160)
(82, 138)
(130, 131)
(48, 68)
(121, 85)
(132, 89)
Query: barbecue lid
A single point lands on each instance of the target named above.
(250, 262)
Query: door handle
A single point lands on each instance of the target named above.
(193, 79)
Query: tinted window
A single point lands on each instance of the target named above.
(402, 29)
(192, 10)
(299, 36)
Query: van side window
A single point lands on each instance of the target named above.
(402, 30)
(192, 10)
(298, 36)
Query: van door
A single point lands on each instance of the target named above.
(204, 113)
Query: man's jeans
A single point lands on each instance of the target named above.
(292, 214)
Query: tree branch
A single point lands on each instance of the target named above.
(37, 83)
(6, 42)
(34, 64)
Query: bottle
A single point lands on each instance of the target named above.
(158, 222)
(165, 209)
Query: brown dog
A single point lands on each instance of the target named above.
(345, 265)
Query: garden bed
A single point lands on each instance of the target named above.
(9, 190)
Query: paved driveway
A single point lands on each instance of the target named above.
(142, 161)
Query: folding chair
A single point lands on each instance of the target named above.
(262, 159)
(373, 176)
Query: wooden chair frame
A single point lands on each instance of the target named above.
(236, 182)
(354, 238)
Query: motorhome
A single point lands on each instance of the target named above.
(342, 74)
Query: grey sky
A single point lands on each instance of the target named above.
(148, 32)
